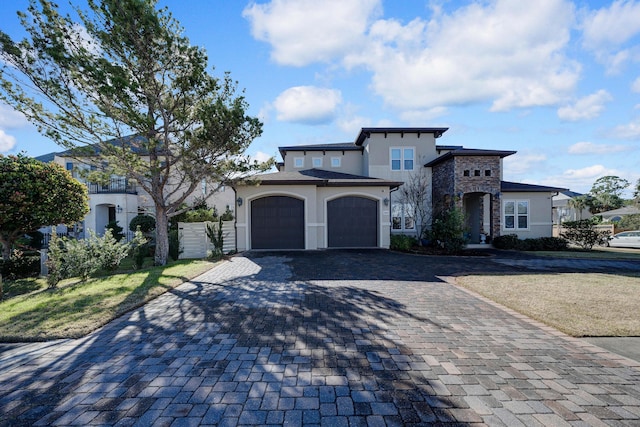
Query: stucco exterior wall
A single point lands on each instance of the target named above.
(378, 146)
(350, 161)
(540, 215)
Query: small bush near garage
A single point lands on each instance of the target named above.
(401, 242)
(512, 242)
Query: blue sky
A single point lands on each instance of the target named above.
(559, 81)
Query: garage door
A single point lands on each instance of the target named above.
(352, 222)
(277, 222)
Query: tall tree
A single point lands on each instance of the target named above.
(122, 68)
(579, 204)
(35, 194)
(636, 194)
(607, 193)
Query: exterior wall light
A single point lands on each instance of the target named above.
(239, 201)
(119, 209)
(386, 201)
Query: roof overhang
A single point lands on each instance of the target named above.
(366, 132)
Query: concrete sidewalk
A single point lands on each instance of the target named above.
(325, 338)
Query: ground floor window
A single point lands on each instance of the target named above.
(402, 217)
(516, 214)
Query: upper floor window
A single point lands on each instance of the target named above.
(402, 159)
(516, 214)
(336, 162)
(317, 162)
(298, 162)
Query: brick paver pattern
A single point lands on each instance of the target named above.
(339, 338)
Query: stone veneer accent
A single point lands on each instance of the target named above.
(449, 183)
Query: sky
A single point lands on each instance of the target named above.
(558, 82)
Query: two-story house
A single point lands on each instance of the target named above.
(120, 199)
(345, 194)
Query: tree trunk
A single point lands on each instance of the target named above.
(162, 236)
(6, 249)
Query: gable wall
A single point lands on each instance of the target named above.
(350, 161)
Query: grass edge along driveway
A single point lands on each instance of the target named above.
(75, 309)
(578, 304)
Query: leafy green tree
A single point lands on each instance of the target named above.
(35, 194)
(579, 204)
(122, 68)
(448, 230)
(606, 193)
(636, 194)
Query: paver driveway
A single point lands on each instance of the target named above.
(329, 338)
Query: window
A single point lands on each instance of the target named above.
(487, 172)
(466, 172)
(317, 162)
(402, 217)
(516, 215)
(298, 162)
(402, 159)
(336, 162)
(476, 172)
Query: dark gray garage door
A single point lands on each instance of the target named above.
(277, 222)
(352, 222)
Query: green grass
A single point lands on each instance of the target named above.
(598, 252)
(34, 313)
(579, 304)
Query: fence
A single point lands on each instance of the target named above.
(194, 242)
(558, 229)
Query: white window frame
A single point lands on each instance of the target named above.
(316, 162)
(516, 214)
(298, 162)
(336, 162)
(404, 209)
(403, 158)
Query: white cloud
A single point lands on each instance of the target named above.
(7, 142)
(635, 86)
(586, 108)
(521, 163)
(504, 52)
(580, 180)
(629, 131)
(607, 30)
(10, 118)
(307, 104)
(305, 31)
(261, 157)
(591, 148)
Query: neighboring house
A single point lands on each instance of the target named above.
(120, 199)
(617, 214)
(562, 211)
(344, 194)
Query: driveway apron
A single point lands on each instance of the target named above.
(339, 338)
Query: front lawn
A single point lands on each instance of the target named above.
(579, 304)
(74, 309)
(598, 252)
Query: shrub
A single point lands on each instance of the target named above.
(448, 231)
(146, 223)
(509, 241)
(79, 260)
(107, 250)
(583, 234)
(214, 232)
(402, 242)
(174, 244)
(116, 230)
(139, 249)
(21, 265)
(201, 215)
(227, 215)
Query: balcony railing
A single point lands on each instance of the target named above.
(114, 186)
